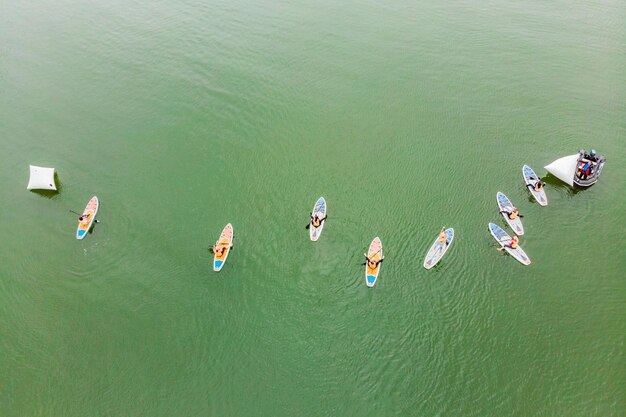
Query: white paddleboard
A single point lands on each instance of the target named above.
(319, 209)
(375, 253)
(530, 178)
(505, 204)
(437, 250)
(503, 239)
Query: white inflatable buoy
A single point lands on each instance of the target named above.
(41, 178)
(564, 168)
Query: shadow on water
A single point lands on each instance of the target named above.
(50, 194)
(558, 184)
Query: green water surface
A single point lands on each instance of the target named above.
(182, 116)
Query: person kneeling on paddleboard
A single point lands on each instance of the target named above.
(513, 243)
(537, 186)
(371, 264)
(220, 248)
(84, 218)
(513, 214)
(316, 221)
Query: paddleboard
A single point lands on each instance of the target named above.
(436, 251)
(320, 210)
(505, 204)
(226, 240)
(530, 178)
(91, 209)
(375, 252)
(503, 239)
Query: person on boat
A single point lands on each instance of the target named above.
(580, 171)
(591, 156)
(513, 213)
(316, 221)
(84, 218)
(585, 170)
(372, 264)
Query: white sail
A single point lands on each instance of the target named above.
(564, 168)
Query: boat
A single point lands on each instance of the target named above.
(588, 168)
(436, 251)
(581, 169)
(91, 210)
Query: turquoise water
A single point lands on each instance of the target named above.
(408, 116)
